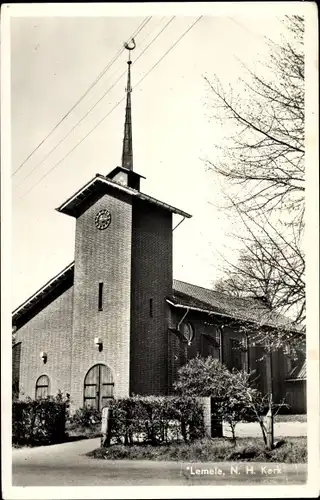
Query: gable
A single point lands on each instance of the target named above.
(43, 297)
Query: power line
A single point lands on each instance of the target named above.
(116, 105)
(254, 34)
(98, 78)
(92, 107)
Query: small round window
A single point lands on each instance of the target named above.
(187, 331)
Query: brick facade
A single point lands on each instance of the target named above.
(49, 331)
(102, 256)
(151, 281)
(132, 258)
(131, 261)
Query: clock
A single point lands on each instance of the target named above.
(102, 219)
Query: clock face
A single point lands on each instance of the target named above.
(102, 219)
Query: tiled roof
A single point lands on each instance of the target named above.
(245, 309)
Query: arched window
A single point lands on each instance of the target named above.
(42, 387)
(98, 386)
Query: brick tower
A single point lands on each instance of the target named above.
(122, 276)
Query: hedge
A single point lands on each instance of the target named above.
(38, 422)
(156, 420)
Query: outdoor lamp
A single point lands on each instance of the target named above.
(98, 342)
(43, 356)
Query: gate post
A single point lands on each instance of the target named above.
(206, 408)
(212, 426)
(106, 421)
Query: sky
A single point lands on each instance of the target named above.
(55, 59)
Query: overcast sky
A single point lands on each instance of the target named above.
(53, 62)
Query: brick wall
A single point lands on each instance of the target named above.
(16, 360)
(151, 279)
(49, 331)
(102, 256)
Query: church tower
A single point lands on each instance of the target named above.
(122, 276)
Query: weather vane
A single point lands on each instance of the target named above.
(130, 46)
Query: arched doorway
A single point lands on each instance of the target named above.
(98, 386)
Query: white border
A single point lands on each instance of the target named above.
(309, 10)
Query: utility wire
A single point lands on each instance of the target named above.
(105, 69)
(92, 107)
(114, 107)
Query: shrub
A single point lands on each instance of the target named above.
(38, 422)
(156, 420)
(232, 397)
(84, 418)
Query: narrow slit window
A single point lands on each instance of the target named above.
(100, 297)
(151, 308)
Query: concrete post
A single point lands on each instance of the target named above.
(106, 421)
(206, 407)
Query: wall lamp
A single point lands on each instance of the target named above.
(43, 356)
(98, 343)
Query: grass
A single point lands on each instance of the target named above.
(292, 450)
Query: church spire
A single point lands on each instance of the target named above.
(127, 153)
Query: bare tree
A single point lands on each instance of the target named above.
(263, 164)
(265, 156)
(271, 267)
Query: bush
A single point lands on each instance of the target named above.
(85, 418)
(38, 422)
(156, 420)
(232, 397)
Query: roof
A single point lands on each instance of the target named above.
(61, 281)
(211, 301)
(185, 295)
(99, 184)
(299, 372)
(124, 169)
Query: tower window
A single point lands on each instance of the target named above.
(100, 297)
(151, 308)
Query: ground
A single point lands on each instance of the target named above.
(67, 465)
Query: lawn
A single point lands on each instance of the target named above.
(291, 450)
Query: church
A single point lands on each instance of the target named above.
(115, 323)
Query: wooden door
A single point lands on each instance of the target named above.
(98, 386)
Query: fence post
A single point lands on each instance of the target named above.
(106, 421)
